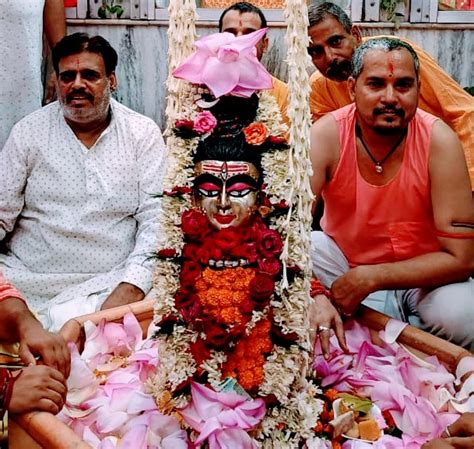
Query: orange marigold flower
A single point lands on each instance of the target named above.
(331, 394)
(256, 133)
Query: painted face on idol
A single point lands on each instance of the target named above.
(226, 191)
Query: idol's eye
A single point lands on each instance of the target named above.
(239, 189)
(209, 189)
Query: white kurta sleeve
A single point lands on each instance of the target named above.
(13, 175)
(152, 157)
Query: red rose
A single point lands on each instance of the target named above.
(185, 298)
(281, 338)
(178, 191)
(237, 332)
(167, 324)
(270, 244)
(214, 252)
(246, 251)
(264, 200)
(184, 124)
(190, 271)
(192, 312)
(199, 351)
(277, 140)
(194, 224)
(247, 306)
(203, 255)
(247, 234)
(166, 253)
(270, 266)
(226, 239)
(261, 290)
(281, 205)
(190, 251)
(216, 336)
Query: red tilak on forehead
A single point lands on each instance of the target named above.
(390, 68)
(231, 168)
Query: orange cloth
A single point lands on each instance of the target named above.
(440, 95)
(381, 224)
(7, 290)
(280, 92)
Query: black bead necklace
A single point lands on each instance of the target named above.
(378, 164)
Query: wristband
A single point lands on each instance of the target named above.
(318, 289)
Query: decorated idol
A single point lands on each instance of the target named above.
(232, 336)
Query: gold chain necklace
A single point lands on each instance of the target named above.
(378, 164)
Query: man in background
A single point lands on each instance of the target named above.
(244, 18)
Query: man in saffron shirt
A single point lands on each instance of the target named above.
(333, 40)
(398, 208)
(244, 18)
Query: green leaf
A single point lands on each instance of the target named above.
(355, 403)
(102, 12)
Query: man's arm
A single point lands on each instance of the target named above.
(139, 266)
(54, 21)
(13, 175)
(324, 154)
(452, 203)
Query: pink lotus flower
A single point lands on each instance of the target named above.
(222, 418)
(234, 56)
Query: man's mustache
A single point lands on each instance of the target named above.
(338, 67)
(394, 111)
(81, 92)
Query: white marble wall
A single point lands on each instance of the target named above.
(142, 68)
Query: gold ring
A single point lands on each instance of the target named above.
(447, 432)
(323, 329)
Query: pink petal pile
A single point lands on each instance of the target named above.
(107, 403)
(223, 418)
(109, 407)
(414, 391)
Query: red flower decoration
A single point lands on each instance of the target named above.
(178, 191)
(185, 298)
(270, 244)
(270, 266)
(261, 290)
(217, 336)
(194, 224)
(190, 251)
(276, 140)
(184, 124)
(190, 271)
(227, 239)
(167, 253)
(246, 251)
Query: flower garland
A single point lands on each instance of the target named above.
(246, 320)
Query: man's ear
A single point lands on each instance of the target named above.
(351, 87)
(265, 42)
(113, 82)
(355, 31)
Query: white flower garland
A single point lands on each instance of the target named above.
(286, 178)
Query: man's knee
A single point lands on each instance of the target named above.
(448, 311)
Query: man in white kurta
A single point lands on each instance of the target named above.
(79, 220)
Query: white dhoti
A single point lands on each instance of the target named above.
(446, 311)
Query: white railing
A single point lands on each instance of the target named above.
(414, 11)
